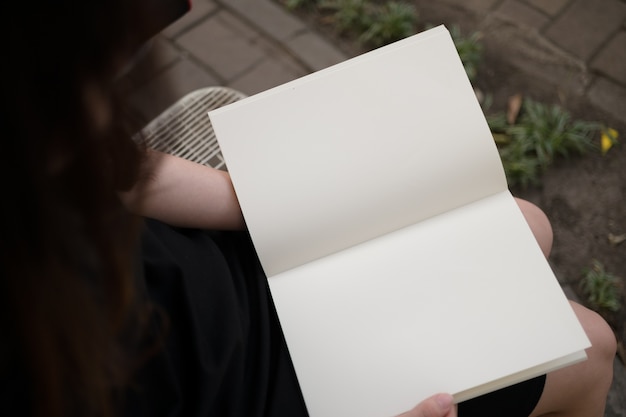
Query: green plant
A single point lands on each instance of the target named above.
(601, 288)
(295, 4)
(469, 48)
(550, 131)
(542, 133)
(521, 167)
(349, 15)
(392, 22)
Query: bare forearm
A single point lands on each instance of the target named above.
(185, 194)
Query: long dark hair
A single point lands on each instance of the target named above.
(66, 243)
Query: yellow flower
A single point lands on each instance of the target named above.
(608, 139)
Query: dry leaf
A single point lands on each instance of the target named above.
(501, 138)
(513, 108)
(480, 96)
(616, 239)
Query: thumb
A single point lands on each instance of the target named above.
(440, 405)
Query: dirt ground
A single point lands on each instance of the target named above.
(584, 196)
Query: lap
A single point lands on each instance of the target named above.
(518, 400)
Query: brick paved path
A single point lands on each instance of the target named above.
(253, 45)
(250, 45)
(579, 45)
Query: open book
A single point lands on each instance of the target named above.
(398, 261)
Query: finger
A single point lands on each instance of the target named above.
(440, 405)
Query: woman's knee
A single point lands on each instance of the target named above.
(581, 389)
(603, 342)
(539, 224)
(600, 356)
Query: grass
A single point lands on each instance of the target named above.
(348, 15)
(470, 50)
(543, 133)
(601, 288)
(389, 23)
(295, 4)
(371, 23)
(374, 25)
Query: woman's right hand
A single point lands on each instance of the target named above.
(440, 405)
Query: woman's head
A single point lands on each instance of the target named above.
(66, 243)
(62, 60)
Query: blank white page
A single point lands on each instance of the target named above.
(360, 149)
(452, 304)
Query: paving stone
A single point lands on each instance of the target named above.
(224, 44)
(169, 86)
(586, 25)
(267, 16)
(314, 51)
(522, 13)
(267, 74)
(162, 52)
(200, 9)
(154, 57)
(532, 56)
(610, 97)
(612, 59)
(550, 7)
(158, 54)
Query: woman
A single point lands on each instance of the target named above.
(106, 314)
